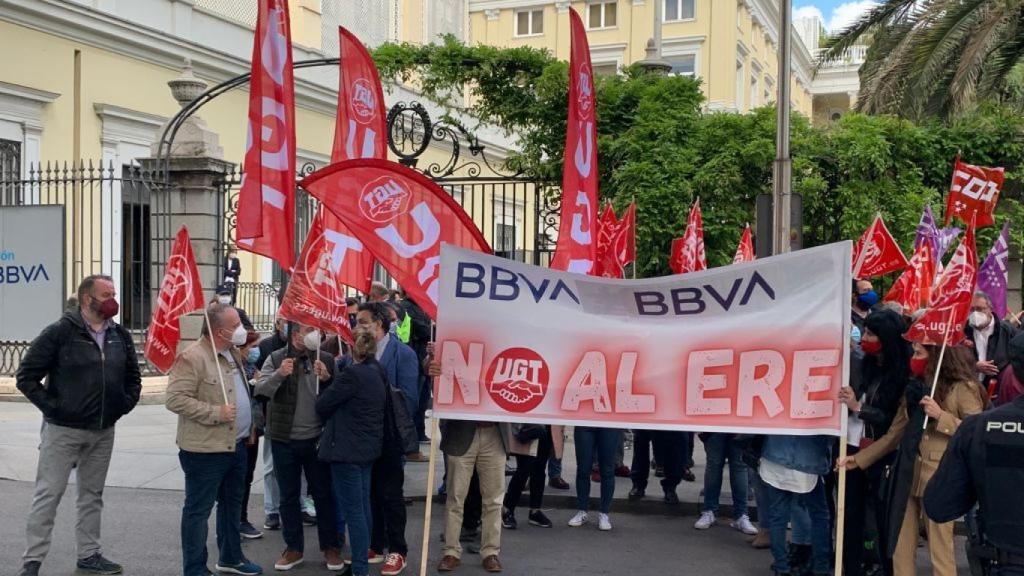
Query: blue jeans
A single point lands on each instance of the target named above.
(604, 442)
(554, 467)
(800, 523)
(212, 477)
(780, 512)
(293, 461)
(719, 447)
(351, 484)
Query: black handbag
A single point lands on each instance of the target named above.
(530, 432)
(399, 430)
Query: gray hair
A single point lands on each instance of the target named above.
(893, 306)
(987, 298)
(378, 289)
(215, 313)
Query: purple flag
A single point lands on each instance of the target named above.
(926, 230)
(992, 277)
(945, 239)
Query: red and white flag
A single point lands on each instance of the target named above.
(876, 252)
(913, 288)
(181, 292)
(400, 216)
(626, 240)
(951, 299)
(314, 296)
(688, 252)
(360, 131)
(973, 193)
(576, 250)
(266, 208)
(608, 232)
(745, 251)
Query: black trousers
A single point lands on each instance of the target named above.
(857, 503)
(426, 389)
(252, 455)
(387, 503)
(534, 469)
(670, 450)
(291, 460)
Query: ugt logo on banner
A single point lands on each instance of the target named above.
(518, 379)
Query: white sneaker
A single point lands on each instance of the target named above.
(706, 520)
(603, 522)
(743, 524)
(578, 520)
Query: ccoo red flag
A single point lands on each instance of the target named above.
(181, 292)
(913, 288)
(314, 296)
(266, 209)
(876, 252)
(688, 252)
(973, 193)
(576, 250)
(400, 216)
(745, 251)
(951, 299)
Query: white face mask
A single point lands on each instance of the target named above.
(239, 335)
(979, 319)
(224, 299)
(311, 340)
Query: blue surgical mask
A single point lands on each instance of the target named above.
(254, 355)
(855, 334)
(868, 299)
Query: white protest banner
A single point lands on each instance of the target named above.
(755, 347)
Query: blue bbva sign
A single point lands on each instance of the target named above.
(31, 269)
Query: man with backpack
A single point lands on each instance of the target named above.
(92, 379)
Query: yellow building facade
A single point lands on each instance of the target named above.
(731, 45)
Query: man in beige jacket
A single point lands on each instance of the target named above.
(207, 390)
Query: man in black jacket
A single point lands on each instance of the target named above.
(991, 338)
(92, 379)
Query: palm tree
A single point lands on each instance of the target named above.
(935, 57)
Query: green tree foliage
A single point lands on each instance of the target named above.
(655, 145)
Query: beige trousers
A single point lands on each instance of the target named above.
(940, 544)
(487, 455)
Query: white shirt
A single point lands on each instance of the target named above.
(981, 340)
(855, 426)
(785, 479)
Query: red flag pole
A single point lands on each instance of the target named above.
(942, 354)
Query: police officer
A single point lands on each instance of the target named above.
(984, 464)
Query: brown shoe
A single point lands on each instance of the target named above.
(492, 564)
(762, 540)
(448, 564)
(417, 457)
(334, 559)
(289, 559)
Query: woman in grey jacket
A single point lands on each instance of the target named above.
(354, 411)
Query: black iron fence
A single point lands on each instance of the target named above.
(117, 222)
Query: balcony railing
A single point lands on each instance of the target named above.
(853, 56)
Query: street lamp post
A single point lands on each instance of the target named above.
(783, 168)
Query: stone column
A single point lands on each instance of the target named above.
(190, 193)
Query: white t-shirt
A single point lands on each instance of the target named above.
(785, 479)
(855, 426)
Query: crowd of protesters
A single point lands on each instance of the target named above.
(341, 421)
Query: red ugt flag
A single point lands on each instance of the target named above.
(745, 251)
(181, 292)
(266, 210)
(973, 193)
(314, 296)
(626, 241)
(688, 252)
(400, 216)
(360, 132)
(608, 230)
(576, 250)
(876, 252)
(951, 299)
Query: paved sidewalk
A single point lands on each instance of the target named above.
(145, 456)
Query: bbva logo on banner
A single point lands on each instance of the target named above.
(384, 199)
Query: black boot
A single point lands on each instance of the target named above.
(800, 560)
